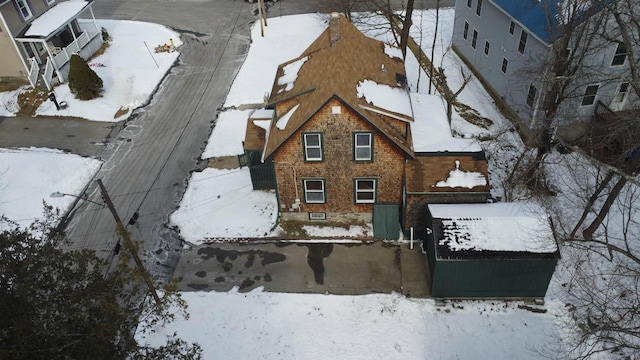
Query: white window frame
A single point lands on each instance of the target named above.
(24, 6)
(307, 147)
(308, 191)
(487, 47)
(589, 95)
(504, 66)
(531, 95)
(357, 190)
(512, 28)
(474, 39)
(621, 96)
(368, 146)
(479, 7)
(465, 31)
(620, 54)
(522, 43)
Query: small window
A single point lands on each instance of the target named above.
(531, 95)
(317, 216)
(312, 143)
(620, 55)
(512, 28)
(465, 32)
(622, 93)
(365, 191)
(474, 40)
(24, 9)
(523, 42)
(590, 93)
(469, 3)
(487, 45)
(363, 146)
(505, 64)
(314, 191)
(336, 110)
(479, 7)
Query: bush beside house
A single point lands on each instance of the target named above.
(84, 83)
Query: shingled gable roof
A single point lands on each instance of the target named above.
(332, 67)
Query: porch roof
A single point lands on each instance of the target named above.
(47, 24)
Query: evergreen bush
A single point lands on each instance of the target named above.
(84, 83)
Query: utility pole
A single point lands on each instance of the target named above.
(128, 243)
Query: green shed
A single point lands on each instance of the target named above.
(501, 250)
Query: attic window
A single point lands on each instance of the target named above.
(401, 79)
(336, 110)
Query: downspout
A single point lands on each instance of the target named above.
(277, 210)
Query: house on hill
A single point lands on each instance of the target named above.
(37, 39)
(510, 45)
(344, 142)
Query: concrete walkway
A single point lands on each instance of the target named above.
(343, 269)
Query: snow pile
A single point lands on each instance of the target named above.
(282, 122)
(459, 178)
(291, 74)
(385, 97)
(131, 73)
(222, 203)
(29, 176)
(332, 231)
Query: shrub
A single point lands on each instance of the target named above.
(84, 83)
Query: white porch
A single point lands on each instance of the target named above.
(54, 36)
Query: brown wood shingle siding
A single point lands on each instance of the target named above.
(338, 167)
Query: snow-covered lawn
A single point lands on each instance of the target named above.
(29, 176)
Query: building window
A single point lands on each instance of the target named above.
(317, 216)
(622, 92)
(531, 95)
(474, 40)
(620, 55)
(363, 146)
(24, 9)
(469, 3)
(590, 93)
(365, 191)
(312, 143)
(487, 45)
(505, 64)
(314, 191)
(465, 32)
(523, 42)
(512, 28)
(479, 7)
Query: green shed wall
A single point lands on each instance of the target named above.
(491, 278)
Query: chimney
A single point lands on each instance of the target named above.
(334, 28)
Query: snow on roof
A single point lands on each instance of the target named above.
(385, 97)
(430, 128)
(282, 122)
(392, 51)
(55, 17)
(468, 179)
(262, 114)
(264, 124)
(516, 227)
(291, 73)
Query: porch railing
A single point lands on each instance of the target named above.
(48, 74)
(75, 47)
(33, 71)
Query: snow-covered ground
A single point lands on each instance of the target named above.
(270, 325)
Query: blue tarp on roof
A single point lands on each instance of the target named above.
(538, 16)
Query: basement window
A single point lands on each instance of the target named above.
(317, 216)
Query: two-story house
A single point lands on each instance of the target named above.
(340, 141)
(510, 45)
(38, 37)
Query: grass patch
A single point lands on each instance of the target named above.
(30, 101)
(102, 50)
(11, 85)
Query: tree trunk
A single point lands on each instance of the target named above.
(406, 26)
(603, 184)
(588, 232)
